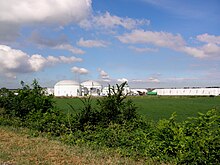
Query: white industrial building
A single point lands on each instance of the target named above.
(188, 91)
(126, 90)
(67, 88)
(91, 88)
(71, 88)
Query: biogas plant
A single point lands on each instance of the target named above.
(71, 88)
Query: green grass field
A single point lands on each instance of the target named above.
(156, 107)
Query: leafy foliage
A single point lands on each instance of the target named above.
(115, 108)
(111, 109)
(27, 99)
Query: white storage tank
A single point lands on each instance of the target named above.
(67, 88)
(91, 87)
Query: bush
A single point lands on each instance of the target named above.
(194, 141)
(28, 99)
(115, 108)
(54, 122)
(111, 109)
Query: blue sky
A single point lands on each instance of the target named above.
(149, 43)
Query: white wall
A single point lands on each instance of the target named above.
(66, 90)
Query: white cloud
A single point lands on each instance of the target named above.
(209, 38)
(70, 48)
(13, 61)
(174, 42)
(37, 62)
(198, 53)
(153, 80)
(106, 80)
(162, 39)
(103, 74)
(72, 59)
(122, 80)
(143, 50)
(209, 50)
(109, 21)
(19, 13)
(79, 70)
(91, 43)
(56, 11)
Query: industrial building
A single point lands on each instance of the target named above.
(71, 88)
(126, 90)
(91, 88)
(187, 91)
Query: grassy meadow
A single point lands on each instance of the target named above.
(155, 107)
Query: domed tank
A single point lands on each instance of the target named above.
(67, 88)
(91, 87)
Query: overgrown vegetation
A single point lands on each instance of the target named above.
(25, 100)
(114, 123)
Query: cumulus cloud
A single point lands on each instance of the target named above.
(70, 48)
(56, 11)
(15, 14)
(91, 43)
(103, 74)
(162, 39)
(209, 50)
(13, 61)
(109, 21)
(209, 38)
(79, 70)
(175, 42)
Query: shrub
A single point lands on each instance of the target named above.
(54, 122)
(202, 139)
(111, 109)
(194, 141)
(28, 99)
(115, 108)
